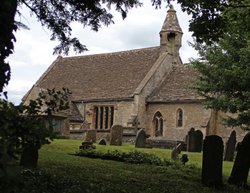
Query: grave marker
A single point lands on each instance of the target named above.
(140, 140)
(116, 135)
(90, 135)
(230, 147)
(241, 165)
(212, 161)
(176, 151)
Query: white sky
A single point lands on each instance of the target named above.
(33, 50)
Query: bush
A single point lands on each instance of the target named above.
(24, 128)
(138, 157)
(134, 157)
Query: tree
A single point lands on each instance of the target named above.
(224, 19)
(24, 129)
(210, 18)
(224, 78)
(224, 68)
(56, 15)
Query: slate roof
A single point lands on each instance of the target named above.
(177, 86)
(100, 76)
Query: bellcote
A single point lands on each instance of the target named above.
(171, 33)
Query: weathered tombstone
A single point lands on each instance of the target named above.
(116, 135)
(29, 157)
(176, 151)
(102, 142)
(140, 140)
(212, 161)
(241, 165)
(198, 141)
(230, 147)
(191, 140)
(90, 136)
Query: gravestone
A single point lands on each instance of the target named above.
(116, 135)
(230, 147)
(102, 142)
(241, 165)
(198, 141)
(212, 161)
(191, 140)
(29, 157)
(176, 151)
(90, 136)
(140, 140)
(194, 140)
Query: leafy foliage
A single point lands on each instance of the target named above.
(57, 16)
(23, 126)
(224, 70)
(135, 157)
(215, 16)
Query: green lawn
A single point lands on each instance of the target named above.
(73, 174)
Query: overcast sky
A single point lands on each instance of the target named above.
(33, 50)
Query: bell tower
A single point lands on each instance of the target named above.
(171, 34)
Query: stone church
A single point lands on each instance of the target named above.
(146, 88)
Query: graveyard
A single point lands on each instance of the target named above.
(59, 170)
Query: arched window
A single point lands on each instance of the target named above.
(158, 124)
(179, 118)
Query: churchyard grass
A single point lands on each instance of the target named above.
(74, 174)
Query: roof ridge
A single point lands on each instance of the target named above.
(111, 53)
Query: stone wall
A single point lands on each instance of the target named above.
(103, 134)
(193, 116)
(77, 134)
(81, 134)
(162, 67)
(122, 111)
(224, 131)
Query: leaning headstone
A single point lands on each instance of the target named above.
(116, 135)
(212, 161)
(198, 141)
(241, 165)
(230, 147)
(90, 136)
(102, 142)
(140, 140)
(176, 151)
(29, 157)
(191, 140)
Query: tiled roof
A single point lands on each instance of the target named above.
(101, 76)
(177, 86)
(72, 113)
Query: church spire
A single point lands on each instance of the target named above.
(171, 33)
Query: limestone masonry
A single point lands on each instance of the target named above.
(147, 88)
